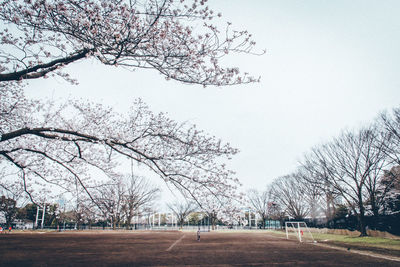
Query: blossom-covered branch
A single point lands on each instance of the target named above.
(60, 144)
(173, 37)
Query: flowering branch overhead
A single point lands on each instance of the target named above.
(41, 37)
(49, 144)
(59, 144)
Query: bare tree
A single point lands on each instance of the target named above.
(289, 193)
(376, 192)
(316, 175)
(139, 194)
(261, 202)
(277, 212)
(320, 195)
(390, 122)
(353, 162)
(123, 197)
(109, 198)
(313, 195)
(381, 183)
(182, 210)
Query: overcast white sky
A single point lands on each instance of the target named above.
(330, 65)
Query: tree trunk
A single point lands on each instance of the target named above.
(361, 219)
(129, 216)
(362, 226)
(329, 206)
(213, 221)
(375, 210)
(128, 223)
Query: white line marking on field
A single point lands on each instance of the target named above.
(355, 251)
(176, 242)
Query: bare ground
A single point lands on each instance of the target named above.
(171, 248)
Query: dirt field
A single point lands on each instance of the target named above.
(170, 249)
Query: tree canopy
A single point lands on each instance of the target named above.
(176, 38)
(43, 143)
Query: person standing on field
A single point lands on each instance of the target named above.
(198, 235)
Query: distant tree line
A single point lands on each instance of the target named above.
(351, 181)
(115, 203)
(114, 215)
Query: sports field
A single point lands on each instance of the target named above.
(170, 248)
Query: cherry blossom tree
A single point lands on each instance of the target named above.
(176, 38)
(59, 145)
(224, 206)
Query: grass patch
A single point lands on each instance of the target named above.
(367, 241)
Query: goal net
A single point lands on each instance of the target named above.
(298, 230)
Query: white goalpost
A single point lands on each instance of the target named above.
(299, 230)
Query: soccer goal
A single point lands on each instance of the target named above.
(299, 230)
